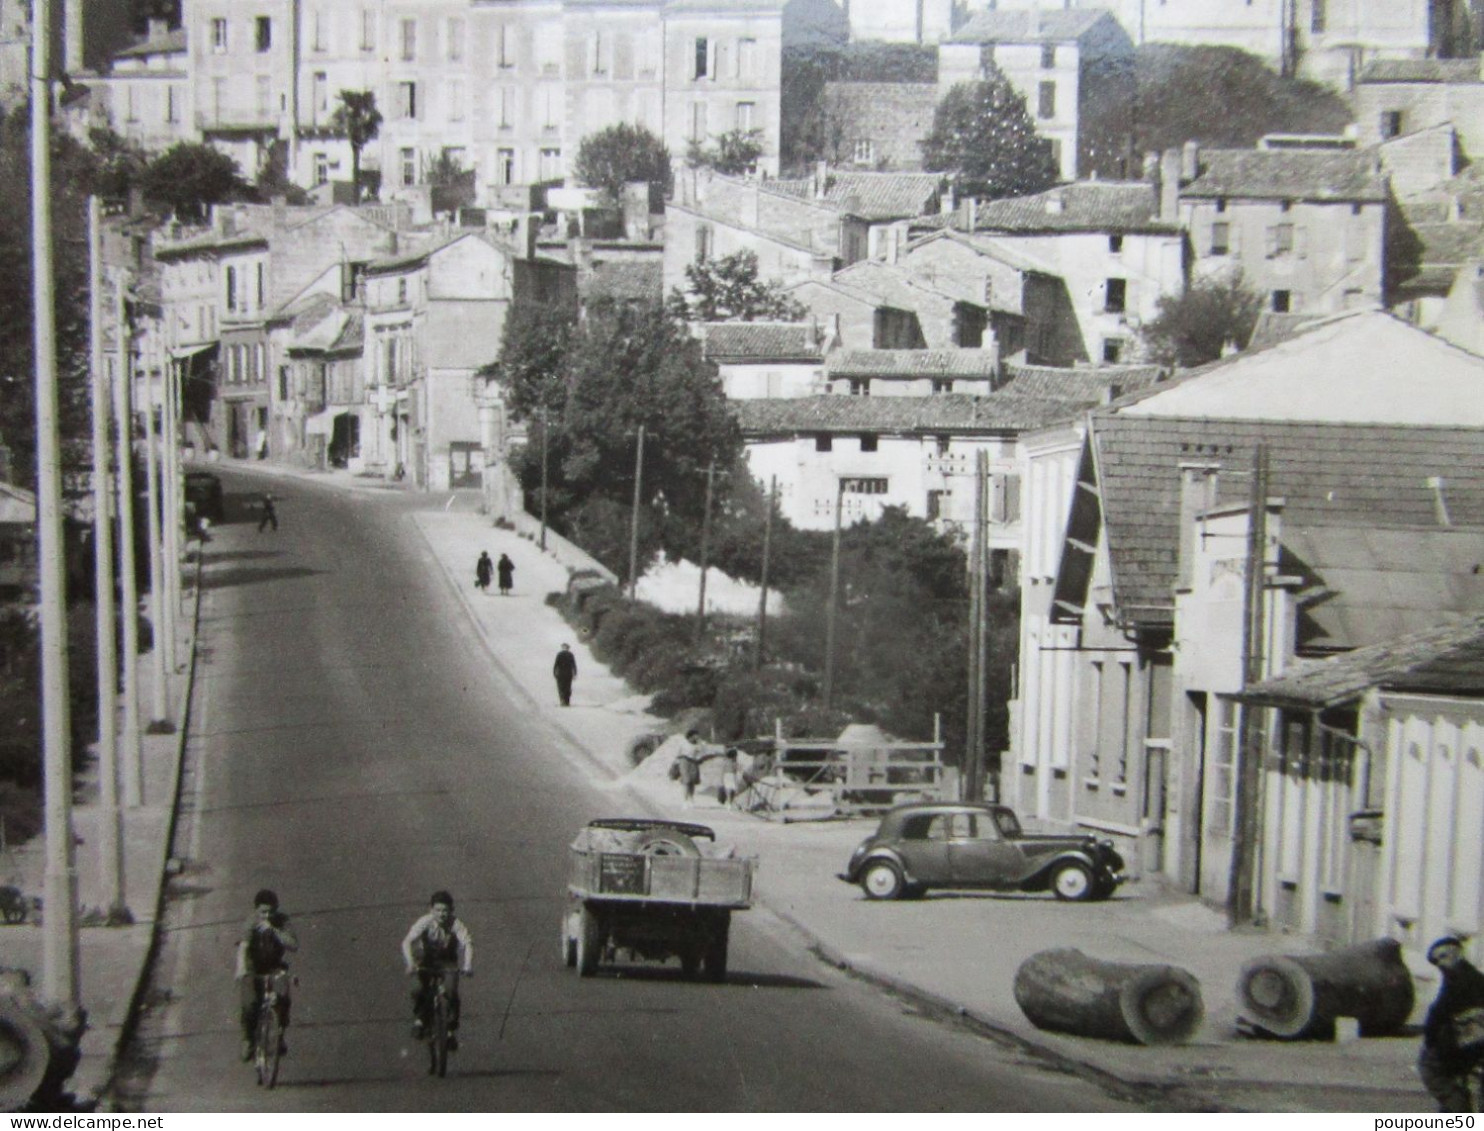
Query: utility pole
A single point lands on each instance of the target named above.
(634, 521)
(705, 549)
(1241, 902)
(762, 601)
(123, 414)
(171, 496)
(159, 602)
(60, 973)
(974, 724)
(829, 622)
(111, 830)
(545, 424)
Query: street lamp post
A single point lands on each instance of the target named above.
(830, 614)
(123, 419)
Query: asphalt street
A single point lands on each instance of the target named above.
(351, 746)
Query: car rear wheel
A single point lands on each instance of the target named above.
(882, 880)
(1072, 881)
(1103, 888)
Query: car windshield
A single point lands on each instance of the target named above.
(1006, 822)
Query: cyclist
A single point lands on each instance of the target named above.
(261, 952)
(437, 942)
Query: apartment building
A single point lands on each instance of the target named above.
(85, 33)
(144, 95)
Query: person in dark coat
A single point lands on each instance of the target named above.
(507, 575)
(484, 569)
(1449, 1053)
(565, 670)
(269, 514)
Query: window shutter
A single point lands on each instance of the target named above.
(1131, 298)
(1301, 240)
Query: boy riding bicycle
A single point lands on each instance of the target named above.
(437, 944)
(260, 955)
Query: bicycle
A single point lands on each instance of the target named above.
(268, 1038)
(439, 1035)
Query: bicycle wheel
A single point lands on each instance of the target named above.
(438, 1039)
(270, 1040)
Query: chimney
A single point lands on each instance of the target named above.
(970, 210)
(1151, 167)
(893, 243)
(821, 179)
(949, 203)
(1197, 495)
(1169, 186)
(1190, 161)
(1055, 204)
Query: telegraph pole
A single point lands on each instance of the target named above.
(123, 414)
(159, 603)
(170, 499)
(705, 548)
(762, 601)
(60, 973)
(110, 831)
(1241, 903)
(829, 623)
(634, 521)
(974, 727)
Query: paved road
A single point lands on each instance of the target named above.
(351, 748)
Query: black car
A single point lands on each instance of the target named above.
(203, 491)
(949, 844)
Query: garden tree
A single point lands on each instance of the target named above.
(273, 180)
(532, 367)
(452, 184)
(735, 152)
(119, 163)
(983, 138)
(1218, 96)
(620, 155)
(729, 290)
(360, 121)
(189, 177)
(808, 130)
(1198, 326)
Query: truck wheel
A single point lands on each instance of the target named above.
(882, 880)
(1072, 881)
(715, 959)
(665, 842)
(589, 942)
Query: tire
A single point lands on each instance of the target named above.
(1072, 882)
(589, 941)
(883, 880)
(665, 842)
(266, 1056)
(438, 1039)
(715, 958)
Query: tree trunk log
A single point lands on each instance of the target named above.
(1068, 992)
(1299, 997)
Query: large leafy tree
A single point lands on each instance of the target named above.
(983, 138)
(729, 290)
(189, 177)
(619, 155)
(735, 152)
(360, 121)
(1199, 325)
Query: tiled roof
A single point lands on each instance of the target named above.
(1024, 26)
(1330, 473)
(869, 196)
(1291, 174)
(761, 341)
(1422, 70)
(1364, 584)
(1089, 384)
(1273, 327)
(966, 363)
(1445, 248)
(173, 42)
(1446, 659)
(211, 241)
(949, 412)
(892, 284)
(1084, 206)
(625, 280)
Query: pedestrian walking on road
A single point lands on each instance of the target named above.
(484, 569)
(565, 670)
(507, 575)
(688, 762)
(269, 514)
(727, 792)
(1453, 1033)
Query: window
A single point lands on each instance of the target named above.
(860, 386)
(1112, 350)
(283, 382)
(319, 37)
(745, 114)
(1224, 766)
(320, 98)
(265, 98)
(942, 384)
(1125, 738)
(1221, 204)
(456, 100)
(551, 100)
(747, 58)
(868, 442)
(409, 166)
(218, 96)
(232, 288)
(1282, 302)
(942, 443)
(455, 39)
(321, 169)
(698, 121)
(1317, 16)
(262, 288)
(409, 40)
(702, 57)
(1221, 237)
(937, 504)
(505, 166)
(858, 486)
(1391, 123)
(368, 30)
(172, 104)
(1115, 296)
(219, 37)
(1282, 239)
(1285, 206)
(824, 443)
(407, 99)
(864, 152)
(1048, 56)
(402, 291)
(263, 34)
(549, 48)
(506, 97)
(1046, 100)
(551, 164)
(1115, 245)
(597, 47)
(505, 46)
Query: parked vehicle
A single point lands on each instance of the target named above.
(647, 888)
(203, 490)
(969, 845)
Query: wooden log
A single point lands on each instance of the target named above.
(1068, 992)
(1299, 996)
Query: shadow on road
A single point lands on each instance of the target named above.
(737, 979)
(250, 576)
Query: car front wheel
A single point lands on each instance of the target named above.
(882, 880)
(1072, 881)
